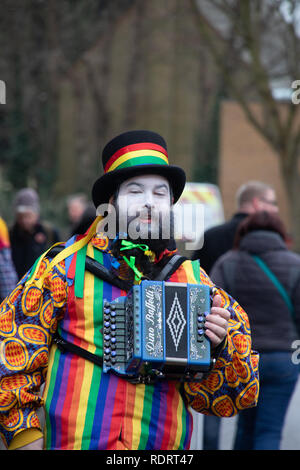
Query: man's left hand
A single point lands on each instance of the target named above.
(217, 322)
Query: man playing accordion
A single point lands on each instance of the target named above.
(126, 335)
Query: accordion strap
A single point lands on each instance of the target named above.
(64, 345)
(103, 273)
(172, 265)
(97, 269)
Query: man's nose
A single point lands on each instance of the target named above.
(149, 200)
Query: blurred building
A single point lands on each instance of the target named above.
(245, 155)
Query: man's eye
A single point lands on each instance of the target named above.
(135, 191)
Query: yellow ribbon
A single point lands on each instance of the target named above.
(62, 255)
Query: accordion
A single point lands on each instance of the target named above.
(158, 331)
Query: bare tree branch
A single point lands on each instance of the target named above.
(261, 41)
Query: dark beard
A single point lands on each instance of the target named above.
(142, 261)
(149, 269)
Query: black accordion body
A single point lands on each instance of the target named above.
(158, 331)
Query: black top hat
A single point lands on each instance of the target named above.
(135, 153)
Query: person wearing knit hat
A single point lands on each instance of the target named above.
(30, 236)
(68, 327)
(27, 199)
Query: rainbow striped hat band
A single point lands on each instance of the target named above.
(135, 153)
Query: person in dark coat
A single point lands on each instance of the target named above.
(77, 205)
(274, 316)
(29, 236)
(251, 197)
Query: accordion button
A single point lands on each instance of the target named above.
(107, 310)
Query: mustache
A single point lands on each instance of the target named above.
(145, 212)
(150, 225)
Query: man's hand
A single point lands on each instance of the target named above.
(216, 323)
(35, 445)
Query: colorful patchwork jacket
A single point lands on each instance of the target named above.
(84, 407)
(8, 275)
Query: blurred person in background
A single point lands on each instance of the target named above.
(8, 275)
(86, 220)
(264, 275)
(76, 206)
(29, 235)
(251, 197)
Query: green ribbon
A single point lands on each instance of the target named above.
(80, 272)
(126, 245)
(131, 263)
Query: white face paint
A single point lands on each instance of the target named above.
(142, 200)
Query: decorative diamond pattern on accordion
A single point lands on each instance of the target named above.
(158, 330)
